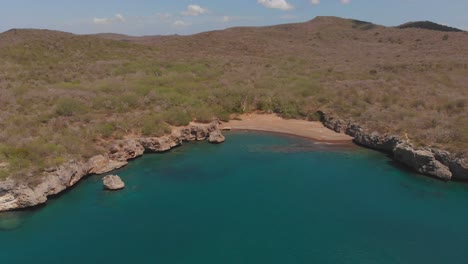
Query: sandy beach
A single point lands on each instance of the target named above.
(274, 123)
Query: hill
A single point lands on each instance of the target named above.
(63, 96)
(429, 25)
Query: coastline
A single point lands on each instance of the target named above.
(429, 161)
(17, 195)
(314, 130)
(433, 162)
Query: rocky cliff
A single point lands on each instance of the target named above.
(16, 195)
(428, 161)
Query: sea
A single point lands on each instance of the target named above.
(257, 198)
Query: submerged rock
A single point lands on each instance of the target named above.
(10, 221)
(113, 182)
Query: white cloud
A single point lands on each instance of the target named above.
(345, 1)
(105, 20)
(119, 18)
(276, 4)
(315, 2)
(194, 10)
(227, 19)
(180, 23)
(102, 21)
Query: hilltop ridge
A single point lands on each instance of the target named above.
(429, 25)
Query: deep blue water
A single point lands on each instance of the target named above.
(258, 198)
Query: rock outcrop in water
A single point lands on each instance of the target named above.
(16, 195)
(216, 137)
(113, 182)
(429, 161)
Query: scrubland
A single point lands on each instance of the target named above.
(63, 96)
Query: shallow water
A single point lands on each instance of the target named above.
(258, 198)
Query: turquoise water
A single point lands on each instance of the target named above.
(258, 198)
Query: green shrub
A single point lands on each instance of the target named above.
(144, 89)
(203, 115)
(19, 157)
(286, 108)
(223, 115)
(69, 107)
(154, 126)
(4, 174)
(177, 117)
(264, 104)
(105, 103)
(106, 130)
(129, 101)
(316, 116)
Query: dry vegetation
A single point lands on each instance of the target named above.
(61, 95)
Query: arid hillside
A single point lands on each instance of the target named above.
(63, 96)
(429, 25)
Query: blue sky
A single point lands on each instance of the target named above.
(154, 17)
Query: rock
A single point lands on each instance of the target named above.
(127, 149)
(184, 134)
(199, 132)
(14, 195)
(435, 163)
(421, 160)
(7, 200)
(65, 176)
(374, 140)
(26, 196)
(113, 182)
(354, 129)
(337, 125)
(160, 144)
(100, 165)
(51, 169)
(216, 137)
(458, 166)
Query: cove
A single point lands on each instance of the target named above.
(257, 198)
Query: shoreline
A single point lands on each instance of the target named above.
(313, 130)
(290, 135)
(432, 162)
(436, 163)
(17, 195)
(341, 143)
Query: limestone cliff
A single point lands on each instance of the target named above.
(429, 161)
(17, 195)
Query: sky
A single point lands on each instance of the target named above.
(165, 17)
